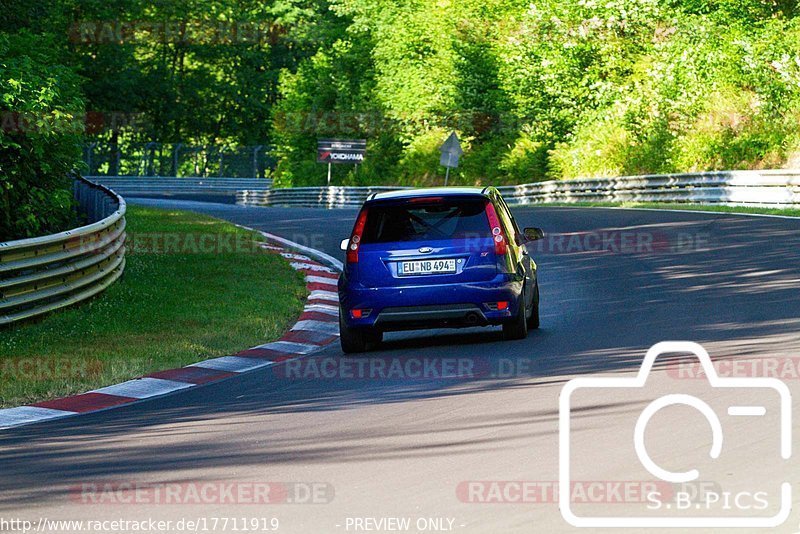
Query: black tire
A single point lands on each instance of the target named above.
(533, 320)
(352, 340)
(518, 327)
(374, 337)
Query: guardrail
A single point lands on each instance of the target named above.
(132, 186)
(43, 274)
(778, 188)
(313, 197)
(756, 188)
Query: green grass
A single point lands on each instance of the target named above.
(168, 310)
(788, 212)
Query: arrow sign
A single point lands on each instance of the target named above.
(451, 150)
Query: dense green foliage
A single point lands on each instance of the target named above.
(536, 89)
(551, 89)
(130, 72)
(38, 139)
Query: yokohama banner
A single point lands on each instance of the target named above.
(341, 150)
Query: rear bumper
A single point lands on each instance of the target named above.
(403, 317)
(431, 306)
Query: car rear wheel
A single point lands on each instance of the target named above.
(518, 327)
(533, 320)
(354, 340)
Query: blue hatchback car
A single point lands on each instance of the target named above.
(431, 258)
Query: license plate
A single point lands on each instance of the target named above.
(420, 267)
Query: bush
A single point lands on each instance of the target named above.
(40, 138)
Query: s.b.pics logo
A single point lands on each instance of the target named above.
(721, 445)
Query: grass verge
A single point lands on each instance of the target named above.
(194, 288)
(786, 212)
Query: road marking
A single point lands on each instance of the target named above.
(292, 256)
(324, 295)
(317, 326)
(192, 375)
(289, 346)
(143, 388)
(233, 364)
(314, 337)
(323, 308)
(330, 260)
(322, 274)
(85, 402)
(29, 414)
(321, 280)
(311, 267)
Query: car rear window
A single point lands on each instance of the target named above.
(423, 220)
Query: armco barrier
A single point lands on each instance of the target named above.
(779, 188)
(131, 185)
(315, 197)
(43, 274)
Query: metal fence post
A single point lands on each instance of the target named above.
(175, 152)
(147, 157)
(256, 150)
(89, 155)
(96, 205)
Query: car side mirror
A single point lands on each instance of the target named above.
(533, 234)
(344, 244)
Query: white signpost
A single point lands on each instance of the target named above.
(451, 150)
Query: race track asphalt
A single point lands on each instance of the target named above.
(613, 283)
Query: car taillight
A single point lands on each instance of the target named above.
(355, 239)
(498, 235)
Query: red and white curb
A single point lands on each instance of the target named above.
(317, 327)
